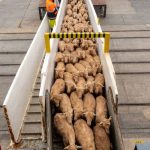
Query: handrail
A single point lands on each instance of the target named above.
(105, 35)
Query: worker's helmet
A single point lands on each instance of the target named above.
(51, 6)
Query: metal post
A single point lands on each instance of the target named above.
(107, 42)
(47, 43)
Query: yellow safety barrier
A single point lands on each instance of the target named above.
(105, 35)
(47, 42)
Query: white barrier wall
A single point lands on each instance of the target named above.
(108, 69)
(48, 65)
(19, 94)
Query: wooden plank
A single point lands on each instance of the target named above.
(126, 57)
(133, 89)
(129, 68)
(7, 59)
(8, 70)
(5, 83)
(130, 44)
(134, 117)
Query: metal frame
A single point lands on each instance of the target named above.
(105, 35)
(18, 97)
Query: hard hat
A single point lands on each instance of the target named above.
(51, 6)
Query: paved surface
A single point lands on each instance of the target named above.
(18, 24)
(129, 24)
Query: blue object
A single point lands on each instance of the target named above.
(145, 146)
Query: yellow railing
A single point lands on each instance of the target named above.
(105, 35)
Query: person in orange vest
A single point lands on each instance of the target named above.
(52, 11)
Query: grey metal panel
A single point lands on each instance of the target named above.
(115, 128)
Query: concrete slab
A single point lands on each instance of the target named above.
(134, 89)
(5, 83)
(15, 36)
(15, 16)
(118, 28)
(111, 19)
(130, 57)
(125, 7)
(5, 140)
(130, 44)
(130, 34)
(9, 70)
(134, 117)
(14, 46)
(14, 59)
(132, 68)
(3, 124)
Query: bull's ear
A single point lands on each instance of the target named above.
(79, 147)
(66, 147)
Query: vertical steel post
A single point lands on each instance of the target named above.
(47, 43)
(107, 42)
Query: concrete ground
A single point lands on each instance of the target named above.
(129, 24)
(18, 24)
(125, 16)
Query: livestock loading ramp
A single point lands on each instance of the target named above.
(19, 95)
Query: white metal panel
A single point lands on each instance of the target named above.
(108, 68)
(47, 72)
(18, 97)
(48, 66)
